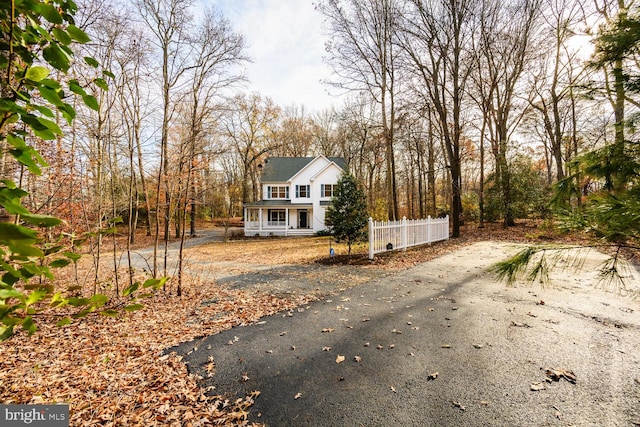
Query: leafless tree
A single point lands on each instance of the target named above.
(323, 133)
(295, 133)
(418, 140)
(170, 23)
(437, 37)
(130, 68)
(250, 126)
(553, 96)
(216, 50)
(364, 57)
(359, 140)
(507, 34)
(103, 134)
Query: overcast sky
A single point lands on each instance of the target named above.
(285, 42)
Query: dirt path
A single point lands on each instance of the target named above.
(207, 258)
(439, 344)
(141, 259)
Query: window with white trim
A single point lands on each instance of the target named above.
(278, 192)
(253, 215)
(303, 191)
(327, 190)
(277, 217)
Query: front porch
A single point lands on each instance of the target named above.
(278, 220)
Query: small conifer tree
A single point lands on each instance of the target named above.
(347, 216)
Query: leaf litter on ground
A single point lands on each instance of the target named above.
(115, 371)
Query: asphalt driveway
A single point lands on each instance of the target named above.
(440, 344)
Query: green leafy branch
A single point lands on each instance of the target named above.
(37, 37)
(101, 304)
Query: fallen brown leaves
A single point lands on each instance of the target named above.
(113, 371)
(557, 374)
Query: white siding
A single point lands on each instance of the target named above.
(328, 176)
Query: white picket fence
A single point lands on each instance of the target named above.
(394, 235)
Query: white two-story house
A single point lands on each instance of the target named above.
(295, 194)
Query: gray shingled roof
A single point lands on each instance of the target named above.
(282, 169)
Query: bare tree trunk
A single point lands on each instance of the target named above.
(182, 217)
(114, 214)
(507, 31)
(481, 189)
(169, 21)
(431, 170)
(435, 36)
(133, 205)
(362, 45)
(574, 147)
(194, 192)
(100, 197)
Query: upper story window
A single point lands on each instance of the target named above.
(328, 189)
(303, 191)
(278, 192)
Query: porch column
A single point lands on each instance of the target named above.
(286, 221)
(260, 220)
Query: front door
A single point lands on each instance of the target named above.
(302, 219)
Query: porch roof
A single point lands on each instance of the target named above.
(276, 204)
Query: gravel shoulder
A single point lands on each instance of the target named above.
(439, 344)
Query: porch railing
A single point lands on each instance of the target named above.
(276, 228)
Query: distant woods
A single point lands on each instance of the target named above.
(480, 106)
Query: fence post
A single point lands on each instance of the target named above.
(405, 241)
(447, 228)
(429, 229)
(371, 238)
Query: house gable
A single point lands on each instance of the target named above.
(315, 168)
(323, 171)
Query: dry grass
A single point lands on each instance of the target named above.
(300, 250)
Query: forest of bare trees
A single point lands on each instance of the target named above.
(472, 108)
